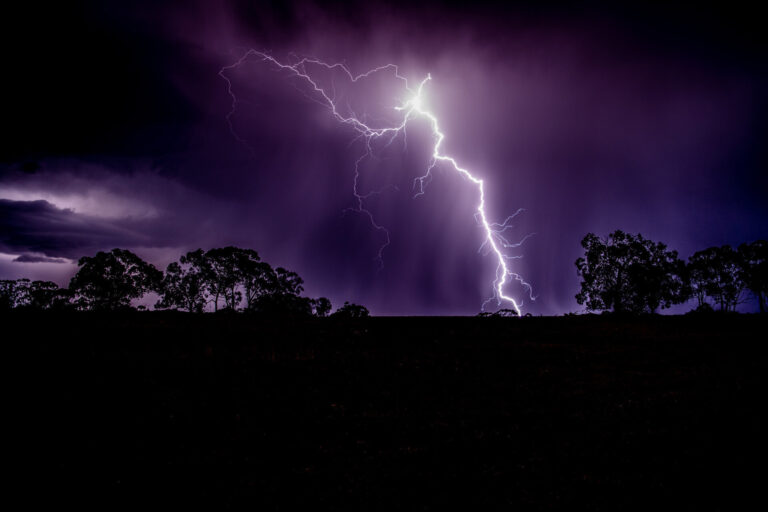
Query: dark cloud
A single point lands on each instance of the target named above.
(71, 209)
(35, 258)
(30, 167)
(40, 227)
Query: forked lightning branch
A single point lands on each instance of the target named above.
(495, 243)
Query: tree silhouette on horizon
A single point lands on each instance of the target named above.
(110, 280)
(630, 274)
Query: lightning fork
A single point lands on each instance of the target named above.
(410, 109)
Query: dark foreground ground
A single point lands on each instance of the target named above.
(146, 409)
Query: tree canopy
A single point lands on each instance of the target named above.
(716, 273)
(351, 310)
(228, 277)
(629, 273)
(40, 295)
(237, 277)
(110, 280)
(754, 270)
(620, 273)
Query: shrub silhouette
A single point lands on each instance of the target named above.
(350, 310)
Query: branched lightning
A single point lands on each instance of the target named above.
(413, 108)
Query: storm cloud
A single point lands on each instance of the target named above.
(36, 258)
(592, 119)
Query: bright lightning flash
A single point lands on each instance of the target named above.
(413, 108)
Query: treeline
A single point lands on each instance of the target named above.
(629, 273)
(227, 278)
(620, 273)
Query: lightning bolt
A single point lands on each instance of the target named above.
(412, 108)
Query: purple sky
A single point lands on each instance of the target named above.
(594, 118)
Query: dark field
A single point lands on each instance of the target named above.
(387, 413)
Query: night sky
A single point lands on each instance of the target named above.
(592, 118)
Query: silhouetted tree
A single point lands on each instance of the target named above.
(256, 276)
(716, 272)
(48, 295)
(659, 276)
(184, 284)
(223, 277)
(233, 274)
(110, 280)
(280, 293)
(753, 258)
(321, 306)
(7, 294)
(699, 271)
(350, 310)
(23, 296)
(14, 293)
(628, 273)
(287, 282)
(283, 305)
